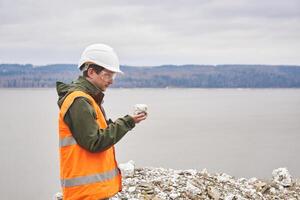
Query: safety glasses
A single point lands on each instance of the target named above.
(107, 75)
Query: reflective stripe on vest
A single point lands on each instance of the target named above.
(67, 141)
(90, 179)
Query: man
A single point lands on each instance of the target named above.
(88, 169)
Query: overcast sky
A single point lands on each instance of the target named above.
(146, 33)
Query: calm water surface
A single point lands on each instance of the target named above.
(243, 132)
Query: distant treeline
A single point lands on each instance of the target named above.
(190, 76)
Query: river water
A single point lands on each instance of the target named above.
(242, 132)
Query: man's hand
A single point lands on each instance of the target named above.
(139, 117)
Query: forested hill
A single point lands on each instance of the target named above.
(192, 76)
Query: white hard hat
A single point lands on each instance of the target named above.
(102, 55)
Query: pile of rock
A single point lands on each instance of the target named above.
(160, 183)
(169, 184)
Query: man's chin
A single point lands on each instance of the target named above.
(104, 88)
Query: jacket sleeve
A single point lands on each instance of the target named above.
(81, 120)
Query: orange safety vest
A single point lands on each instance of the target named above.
(85, 175)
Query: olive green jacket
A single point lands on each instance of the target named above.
(81, 117)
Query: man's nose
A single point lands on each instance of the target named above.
(110, 81)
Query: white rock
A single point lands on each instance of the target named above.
(204, 172)
(192, 189)
(252, 180)
(282, 177)
(242, 180)
(139, 108)
(273, 190)
(213, 193)
(174, 195)
(224, 178)
(157, 190)
(230, 197)
(114, 198)
(177, 171)
(131, 189)
(162, 195)
(280, 187)
(58, 196)
(127, 169)
(193, 172)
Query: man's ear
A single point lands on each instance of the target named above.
(90, 72)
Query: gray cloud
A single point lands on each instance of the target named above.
(152, 32)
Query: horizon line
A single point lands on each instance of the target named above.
(161, 65)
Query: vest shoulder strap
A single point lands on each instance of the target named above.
(70, 99)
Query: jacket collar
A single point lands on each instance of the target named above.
(90, 88)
